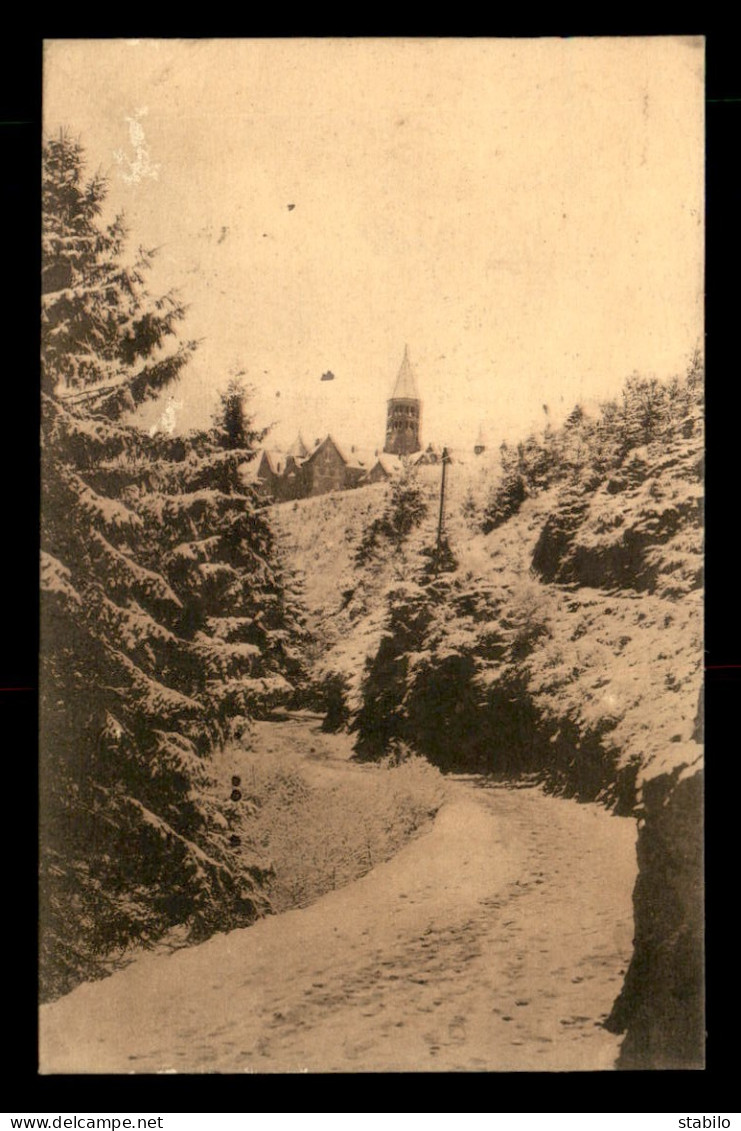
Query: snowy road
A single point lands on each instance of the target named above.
(496, 940)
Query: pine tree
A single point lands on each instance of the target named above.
(233, 428)
(105, 341)
(134, 836)
(219, 554)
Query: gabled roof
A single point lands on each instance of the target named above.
(362, 459)
(274, 459)
(328, 439)
(406, 383)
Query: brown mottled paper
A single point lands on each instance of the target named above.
(525, 217)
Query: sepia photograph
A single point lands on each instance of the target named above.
(372, 477)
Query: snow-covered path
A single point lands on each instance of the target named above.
(496, 940)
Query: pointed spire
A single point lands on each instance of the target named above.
(406, 382)
(298, 448)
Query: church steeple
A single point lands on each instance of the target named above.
(403, 413)
(406, 382)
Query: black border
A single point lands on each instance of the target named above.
(20, 84)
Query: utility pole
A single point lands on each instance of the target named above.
(445, 461)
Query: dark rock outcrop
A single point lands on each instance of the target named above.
(661, 1006)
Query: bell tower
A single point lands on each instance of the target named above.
(403, 413)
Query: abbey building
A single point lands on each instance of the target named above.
(301, 472)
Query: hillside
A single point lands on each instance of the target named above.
(573, 582)
(561, 637)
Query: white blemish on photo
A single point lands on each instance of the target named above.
(168, 419)
(136, 169)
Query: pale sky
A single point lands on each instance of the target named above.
(526, 214)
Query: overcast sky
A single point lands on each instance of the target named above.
(526, 215)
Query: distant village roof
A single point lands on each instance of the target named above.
(360, 460)
(276, 460)
(360, 457)
(320, 445)
(391, 464)
(264, 460)
(406, 382)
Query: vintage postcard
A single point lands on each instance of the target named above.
(371, 642)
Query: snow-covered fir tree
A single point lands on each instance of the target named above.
(163, 613)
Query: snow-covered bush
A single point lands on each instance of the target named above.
(405, 510)
(317, 838)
